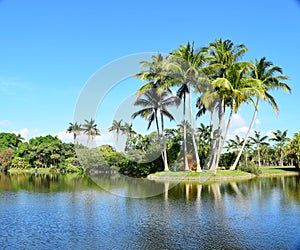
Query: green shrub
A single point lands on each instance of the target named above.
(251, 168)
(20, 163)
(227, 159)
(134, 169)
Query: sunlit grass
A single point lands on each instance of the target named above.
(225, 174)
(278, 170)
(220, 173)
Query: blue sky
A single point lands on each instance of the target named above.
(50, 49)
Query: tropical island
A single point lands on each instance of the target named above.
(219, 82)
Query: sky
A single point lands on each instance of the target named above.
(51, 50)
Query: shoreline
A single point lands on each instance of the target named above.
(211, 177)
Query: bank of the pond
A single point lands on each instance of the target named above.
(39, 171)
(32, 170)
(222, 175)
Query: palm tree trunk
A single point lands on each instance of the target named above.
(218, 148)
(164, 153)
(186, 163)
(158, 134)
(258, 155)
(233, 167)
(225, 135)
(198, 169)
(281, 157)
(211, 141)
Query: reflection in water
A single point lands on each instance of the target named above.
(72, 212)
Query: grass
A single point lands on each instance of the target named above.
(224, 174)
(31, 170)
(197, 174)
(205, 175)
(278, 170)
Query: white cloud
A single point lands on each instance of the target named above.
(64, 136)
(82, 138)
(28, 134)
(257, 121)
(237, 121)
(4, 123)
(241, 131)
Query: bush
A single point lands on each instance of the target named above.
(6, 156)
(227, 159)
(251, 168)
(134, 169)
(20, 163)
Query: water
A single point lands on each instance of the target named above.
(71, 212)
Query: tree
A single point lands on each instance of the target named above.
(128, 130)
(10, 140)
(295, 149)
(224, 72)
(155, 104)
(280, 138)
(236, 145)
(76, 129)
(184, 64)
(267, 77)
(6, 156)
(90, 129)
(258, 141)
(116, 126)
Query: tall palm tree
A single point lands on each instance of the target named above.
(116, 126)
(281, 139)
(157, 81)
(184, 64)
(155, 104)
(224, 71)
(268, 77)
(258, 141)
(154, 73)
(76, 129)
(90, 129)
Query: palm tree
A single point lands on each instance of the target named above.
(74, 128)
(19, 139)
(226, 73)
(280, 138)
(236, 145)
(90, 129)
(128, 130)
(118, 127)
(264, 75)
(154, 73)
(184, 64)
(155, 104)
(203, 132)
(258, 141)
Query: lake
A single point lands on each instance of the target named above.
(115, 212)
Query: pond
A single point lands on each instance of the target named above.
(73, 212)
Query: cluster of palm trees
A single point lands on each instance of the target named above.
(221, 82)
(89, 128)
(120, 127)
(258, 145)
(213, 77)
